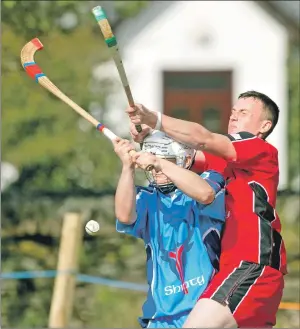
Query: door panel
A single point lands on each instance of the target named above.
(204, 98)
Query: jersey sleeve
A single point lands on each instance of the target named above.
(137, 229)
(252, 151)
(209, 162)
(214, 179)
(215, 209)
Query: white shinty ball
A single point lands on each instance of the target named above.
(92, 227)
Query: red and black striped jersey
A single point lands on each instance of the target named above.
(252, 228)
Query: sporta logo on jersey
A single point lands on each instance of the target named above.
(198, 281)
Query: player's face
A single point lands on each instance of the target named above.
(248, 114)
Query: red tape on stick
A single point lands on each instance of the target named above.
(32, 69)
(37, 43)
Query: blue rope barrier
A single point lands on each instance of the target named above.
(80, 277)
(28, 275)
(112, 283)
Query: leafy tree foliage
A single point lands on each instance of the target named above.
(57, 153)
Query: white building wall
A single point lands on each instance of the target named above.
(244, 39)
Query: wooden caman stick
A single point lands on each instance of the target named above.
(35, 72)
(111, 42)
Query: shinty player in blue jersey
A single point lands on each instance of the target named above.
(179, 216)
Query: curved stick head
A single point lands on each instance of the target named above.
(27, 59)
(28, 51)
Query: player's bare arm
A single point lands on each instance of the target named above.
(187, 181)
(125, 198)
(189, 133)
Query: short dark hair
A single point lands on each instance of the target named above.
(269, 105)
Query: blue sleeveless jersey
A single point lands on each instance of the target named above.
(182, 242)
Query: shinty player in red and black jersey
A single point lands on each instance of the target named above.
(247, 290)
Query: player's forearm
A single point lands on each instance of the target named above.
(188, 182)
(189, 133)
(125, 198)
(194, 135)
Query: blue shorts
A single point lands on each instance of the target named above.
(175, 321)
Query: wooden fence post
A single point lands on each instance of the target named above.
(65, 281)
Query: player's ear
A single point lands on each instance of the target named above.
(188, 161)
(266, 125)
